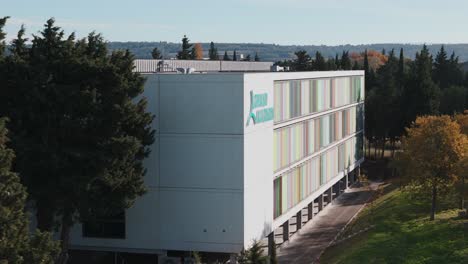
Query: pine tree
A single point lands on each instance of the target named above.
(213, 52)
(226, 56)
(345, 61)
(441, 73)
(186, 52)
(421, 95)
(256, 58)
(319, 63)
(234, 56)
(156, 54)
(303, 62)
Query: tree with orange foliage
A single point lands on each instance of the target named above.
(462, 120)
(197, 52)
(431, 152)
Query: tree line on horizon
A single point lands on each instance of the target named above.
(190, 51)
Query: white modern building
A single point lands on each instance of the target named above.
(236, 156)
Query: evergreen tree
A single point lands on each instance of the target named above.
(2, 35)
(226, 56)
(186, 52)
(213, 52)
(401, 70)
(234, 56)
(345, 61)
(16, 246)
(78, 128)
(331, 65)
(256, 58)
(248, 58)
(18, 46)
(441, 73)
(366, 64)
(384, 52)
(303, 62)
(356, 66)
(337, 62)
(421, 95)
(319, 63)
(156, 54)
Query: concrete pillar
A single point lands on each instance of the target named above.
(299, 220)
(271, 243)
(320, 203)
(310, 211)
(233, 259)
(330, 195)
(358, 173)
(286, 231)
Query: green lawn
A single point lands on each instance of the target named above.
(402, 233)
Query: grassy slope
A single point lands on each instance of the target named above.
(403, 234)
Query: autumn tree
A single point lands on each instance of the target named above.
(430, 153)
(197, 52)
(156, 54)
(186, 52)
(462, 120)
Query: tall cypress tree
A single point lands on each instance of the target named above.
(256, 58)
(337, 62)
(234, 56)
(186, 52)
(213, 52)
(226, 56)
(366, 63)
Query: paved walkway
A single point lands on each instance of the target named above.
(307, 245)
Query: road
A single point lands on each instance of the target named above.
(307, 245)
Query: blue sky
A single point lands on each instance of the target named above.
(299, 22)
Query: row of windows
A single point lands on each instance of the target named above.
(296, 185)
(295, 98)
(295, 142)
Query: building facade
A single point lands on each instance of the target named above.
(236, 156)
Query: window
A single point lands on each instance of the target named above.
(105, 227)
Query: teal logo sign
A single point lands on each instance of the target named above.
(259, 115)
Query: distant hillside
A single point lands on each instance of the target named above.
(273, 52)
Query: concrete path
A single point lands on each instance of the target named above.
(307, 245)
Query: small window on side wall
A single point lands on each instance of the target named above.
(105, 227)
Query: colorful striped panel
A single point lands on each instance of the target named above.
(295, 98)
(297, 184)
(300, 140)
